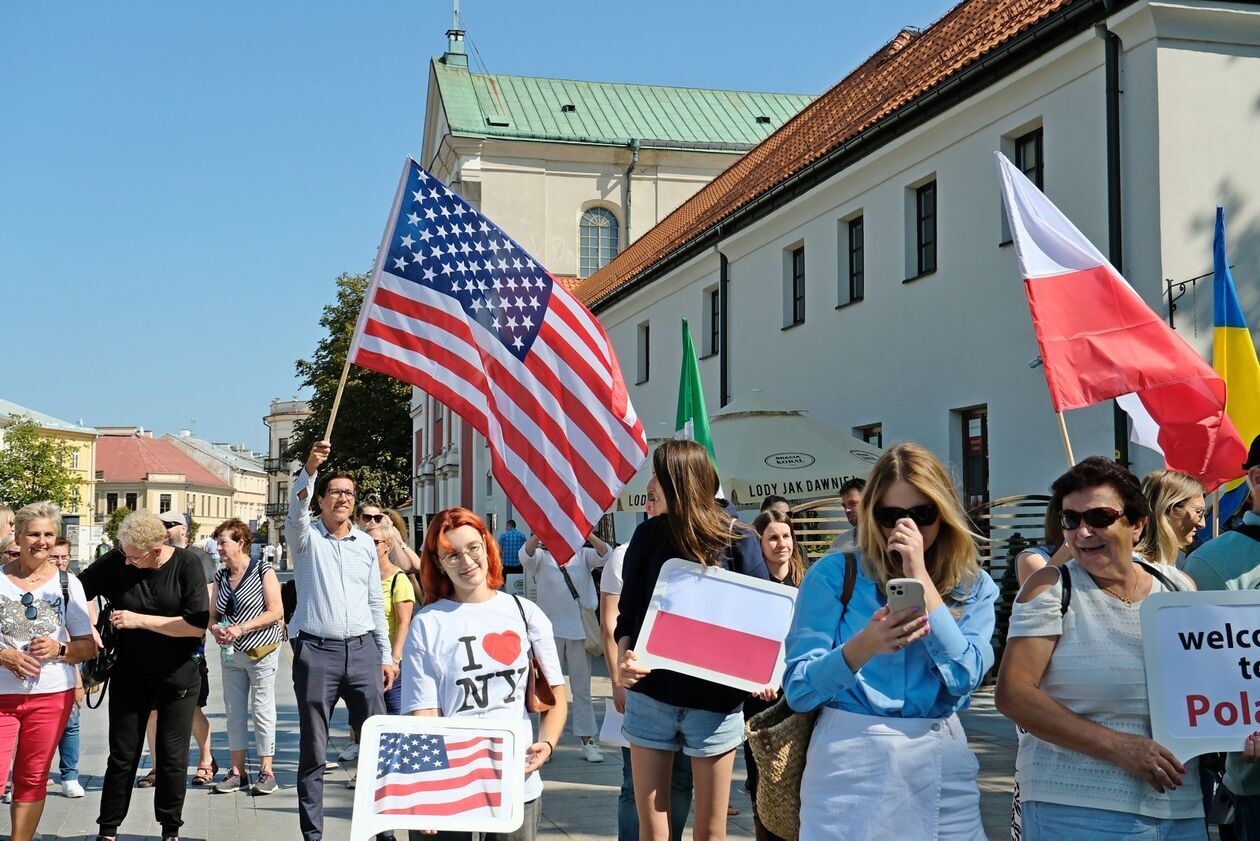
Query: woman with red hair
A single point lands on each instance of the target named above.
(468, 650)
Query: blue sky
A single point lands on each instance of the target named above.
(181, 183)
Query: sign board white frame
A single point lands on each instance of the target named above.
(365, 824)
(1164, 675)
(653, 661)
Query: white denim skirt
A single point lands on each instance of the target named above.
(875, 777)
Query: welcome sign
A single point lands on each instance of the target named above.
(1202, 653)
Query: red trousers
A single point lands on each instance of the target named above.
(30, 728)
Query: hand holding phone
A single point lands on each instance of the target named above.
(904, 593)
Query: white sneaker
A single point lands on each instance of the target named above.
(72, 788)
(350, 754)
(591, 752)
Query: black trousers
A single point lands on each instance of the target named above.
(131, 698)
(323, 671)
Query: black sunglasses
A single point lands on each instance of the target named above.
(375, 518)
(1095, 518)
(923, 515)
(28, 600)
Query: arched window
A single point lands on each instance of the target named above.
(598, 240)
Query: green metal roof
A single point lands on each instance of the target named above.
(523, 107)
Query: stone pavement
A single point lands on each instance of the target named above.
(580, 801)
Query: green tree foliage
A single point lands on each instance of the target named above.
(115, 520)
(35, 467)
(372, 436)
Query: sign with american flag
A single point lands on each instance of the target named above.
(459, 310)
(458, 774)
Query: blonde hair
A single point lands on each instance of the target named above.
(28, 514)
(952, 560)
(1165, 489)
(6, 515)
(142, 530)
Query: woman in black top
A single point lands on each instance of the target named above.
(160, 613)
(666, 710)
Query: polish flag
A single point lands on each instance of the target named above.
(1100, 341)
(717, 625)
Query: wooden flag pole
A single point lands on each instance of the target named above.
(1216, 512)
(1067, 444)
(341, 386)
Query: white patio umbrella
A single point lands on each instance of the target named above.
(764, 447)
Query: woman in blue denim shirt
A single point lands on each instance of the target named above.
(888, 757)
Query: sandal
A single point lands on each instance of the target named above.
(148, 781)
(731, 811)
(205, 773)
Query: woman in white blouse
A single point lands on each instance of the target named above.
(1073, 677)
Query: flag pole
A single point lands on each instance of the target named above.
(341, 386)
(1067, 444)
(1216, 512)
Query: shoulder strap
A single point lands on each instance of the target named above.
(850, 580)
(1251, 531)
(1163, 579)
(1065, 601)
(393, 585)
(568, 582)
(65, 590)
(521, 609)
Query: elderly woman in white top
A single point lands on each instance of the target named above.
(1073, 677)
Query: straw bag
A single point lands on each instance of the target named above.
(779, 740)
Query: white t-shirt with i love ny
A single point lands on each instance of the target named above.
(471, 660)
(53, 618)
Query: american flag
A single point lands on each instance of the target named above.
(459, 310)
(430, 774)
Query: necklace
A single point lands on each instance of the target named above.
(29, 579)
(1126, 600)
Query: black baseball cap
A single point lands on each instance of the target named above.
(1253, 455)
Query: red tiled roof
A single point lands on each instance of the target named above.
(907, 67)
(129, 458)
(570, 282)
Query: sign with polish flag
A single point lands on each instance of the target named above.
(1100, 341)
(717, 625)
(457, 774)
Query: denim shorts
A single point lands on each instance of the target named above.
(1043, 821)
(650, 723)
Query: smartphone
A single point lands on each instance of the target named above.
(904, 593)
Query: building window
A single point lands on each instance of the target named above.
(794, 288)
(132, 502)
(597, 235)
(872, 433)
(74, 459)
(1028, 157)
(853, 283)
(645, 352)
(712, 338)
(111, 503)
(282, 491)
(164, 503)
(975, 456)
(489, 484)
(284, 445)
(925, 228)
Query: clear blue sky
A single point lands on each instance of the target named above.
(180, 183)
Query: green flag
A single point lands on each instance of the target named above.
(692, 422)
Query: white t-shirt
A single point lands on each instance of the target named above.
(553, 594)
(610, 580)
(469, 661)
(52, 619)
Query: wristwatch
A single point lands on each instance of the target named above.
(61, 651)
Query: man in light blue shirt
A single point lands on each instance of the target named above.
(341, 646)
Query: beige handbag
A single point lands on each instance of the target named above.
(779, 740)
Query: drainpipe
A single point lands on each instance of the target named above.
(1112, 47)
(634, 161)
(724, 306)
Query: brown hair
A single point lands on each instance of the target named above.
(433, 582)
(237, 530)
(699, 526)
(796, 567)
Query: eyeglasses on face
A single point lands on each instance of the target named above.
(922, 515)
(380, 542)
(372, 518)
(28, 601)
(1197, 512)
(135, 559)
(473, 552)
(343, 492)
(1095, 518)
(13, 554)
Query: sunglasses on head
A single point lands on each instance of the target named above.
(373, 518)
(28, 601)
(923, 515)
(1095, 518)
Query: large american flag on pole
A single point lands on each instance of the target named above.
(459, 310)
(431, 774)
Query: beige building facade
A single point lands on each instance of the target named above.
(235, 464)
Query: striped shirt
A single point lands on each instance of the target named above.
(246, 603)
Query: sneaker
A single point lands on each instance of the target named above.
(350, 784)
(350, 754)
(591, 752)
(265, 784)
(232, 782)
(71, 788)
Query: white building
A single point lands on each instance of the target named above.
(574, 171)
(282, 416)
(857, 264)
(235, 464)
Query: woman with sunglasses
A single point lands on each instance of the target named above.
(469, 649)
(401, 554)
(41, 636)
(246, 619)
(400, 602)
(160, 610)
(1073, 676)
(888, 757)
(1178, 510)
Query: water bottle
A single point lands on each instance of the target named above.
(230, 649)
(28, 682)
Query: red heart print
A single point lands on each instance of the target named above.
(504, 647)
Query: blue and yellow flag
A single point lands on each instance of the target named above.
(1234, 358)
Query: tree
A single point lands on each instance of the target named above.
(35, 467)
(372, 436)
(115, 520)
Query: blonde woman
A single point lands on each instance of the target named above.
(888, 757)
(1178, 510)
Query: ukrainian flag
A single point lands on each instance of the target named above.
(1234, 358)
